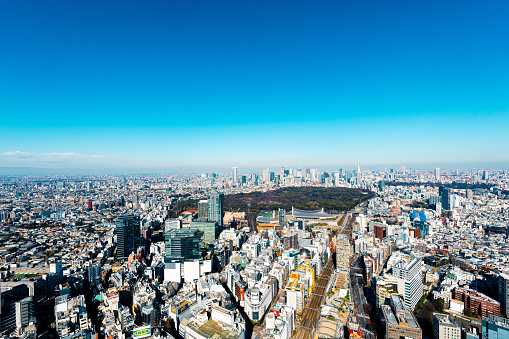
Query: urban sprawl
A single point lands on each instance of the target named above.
(425, 256)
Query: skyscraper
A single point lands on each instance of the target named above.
(94, 274)
(445, 197)
(203, 209)
(437, 174)
(282, 217)
(209, 229)
(408, 271)
(182, 244)
(358, 175)
(234, 176)
(216, 207)
(128, 235)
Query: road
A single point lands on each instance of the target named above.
(311, 313)
(357, 283)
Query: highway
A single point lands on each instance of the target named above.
(311, 313)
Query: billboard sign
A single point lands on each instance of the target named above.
(142, 332)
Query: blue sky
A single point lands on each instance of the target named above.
(215, 84)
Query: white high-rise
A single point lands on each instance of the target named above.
(235, 178)
(408, 271)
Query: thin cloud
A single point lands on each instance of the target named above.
(56, 160)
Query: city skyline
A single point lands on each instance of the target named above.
(190, 87)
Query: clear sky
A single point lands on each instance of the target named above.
(214, 84)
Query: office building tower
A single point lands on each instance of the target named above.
(282, 175)
(403, 170)
(445, 197)
(209, 229)
(128, 235)
(290, 241)
(203, 209)
(182, 244)
(444, 327)
(216, 208)
(8, 307)
(94, 274)
(485, 175)
(25, 312)
(342, 251)
(494, 327)
(341, 173)
(408, 272)
(381, 185)
(243, 179)
(282, 217)
(234, 176)
(503, 291)
(301, 225)
(266, 175)
(359, 179)
(437, 174)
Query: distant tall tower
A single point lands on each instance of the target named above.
(203, 209)
(403, 170)
(235, 180)
(216, 207)
(437, 174)
(128, 235)
(358, 175)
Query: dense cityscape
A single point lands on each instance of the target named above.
(259, 169)
(423, 254)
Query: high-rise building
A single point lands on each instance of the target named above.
(444, 327)
(203, 209)
(94, 274)
(128, 235)
(282, 217)
(408, 272)
(342, 251)
(216, 207)
(437, 174)
(266, 175)
(381, 185)
(445, 197)
(209, 229)
(182, 244)
(234, 176)
(485, 175)
(8, 307)
(25, 312)
(494, 327)
(503, 292)
(359, 179)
